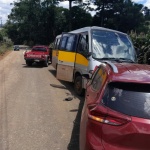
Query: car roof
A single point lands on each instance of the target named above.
(129, 72)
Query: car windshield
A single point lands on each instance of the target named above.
(39, 49)
(110, 44)
(128, 98)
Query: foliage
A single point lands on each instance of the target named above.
(38, 22)
(142, 46)
(1, 37)
(5, 46)
(80, 18)
(118, 14)
(32, 21)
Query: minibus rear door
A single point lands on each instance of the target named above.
(66, 56)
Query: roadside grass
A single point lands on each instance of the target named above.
(5, 48)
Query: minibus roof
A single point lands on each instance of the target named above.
(85, 29)
(93, 27)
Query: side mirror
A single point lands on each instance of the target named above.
(89, 54)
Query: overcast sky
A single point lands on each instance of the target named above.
(5, 7)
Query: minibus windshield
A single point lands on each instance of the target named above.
(112, 45)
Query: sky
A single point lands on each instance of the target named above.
(5, 7)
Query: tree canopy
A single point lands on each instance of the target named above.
(38, 22)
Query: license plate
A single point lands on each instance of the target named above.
(37, 60)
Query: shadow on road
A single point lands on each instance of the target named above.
(74, 141)
(34, 65)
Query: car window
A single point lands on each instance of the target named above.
(98, 79)
(128, 98)
(39, 49)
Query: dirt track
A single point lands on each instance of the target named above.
(34, 114)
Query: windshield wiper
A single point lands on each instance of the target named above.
(120, 60)
(126, 60)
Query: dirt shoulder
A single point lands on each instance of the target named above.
(5, 54)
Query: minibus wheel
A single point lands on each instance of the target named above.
(78, 86)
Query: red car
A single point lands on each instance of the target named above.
(38, 54)
(116, 112)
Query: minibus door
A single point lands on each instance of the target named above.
(66, 56)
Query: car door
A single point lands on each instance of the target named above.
(66, 56)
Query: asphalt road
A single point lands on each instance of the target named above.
(34, 111)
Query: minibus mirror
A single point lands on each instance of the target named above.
(89, 54)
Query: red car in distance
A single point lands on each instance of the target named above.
(38, 54)
(116, 112)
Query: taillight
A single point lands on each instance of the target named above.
(103, 116)
(116, 121)
(25, 54)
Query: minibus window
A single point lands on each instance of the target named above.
(63, 42)
(83, 46)
(70, 43)
(57, 43)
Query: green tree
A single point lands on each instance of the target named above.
(34, 21)
(1, 37)
(80, 18)
(118, 14)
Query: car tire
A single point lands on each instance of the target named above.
(46, 63)
(78, 86)
(28, 63)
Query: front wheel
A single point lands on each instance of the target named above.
(28, 63)
(46, 63)
(78, 86)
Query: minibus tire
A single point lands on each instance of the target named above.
(78, 86)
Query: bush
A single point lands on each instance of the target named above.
(142, 46)
(5, 46)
